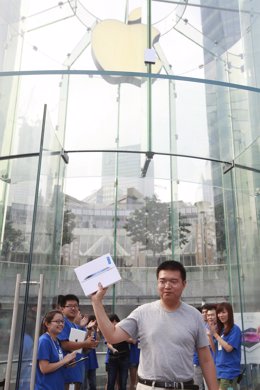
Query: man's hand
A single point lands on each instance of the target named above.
(212, 328)
(99, 295)
(83, 321)
(92, 324)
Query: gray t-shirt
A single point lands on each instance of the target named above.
(167, 340)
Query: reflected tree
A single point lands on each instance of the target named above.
(151, 227)
(220, 232)
(68, 225)
(13, 239)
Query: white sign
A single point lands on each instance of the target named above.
(101, 270)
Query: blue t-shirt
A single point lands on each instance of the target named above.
(75, 373)
(228, 363)
(49, 350)
(196, 359)
(92, 362)
(134, 354)
(26, 363)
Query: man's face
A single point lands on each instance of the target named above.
(212, 316)
(204, 314)
(170, 285)
(70, 310)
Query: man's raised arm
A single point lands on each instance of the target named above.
(112, 334)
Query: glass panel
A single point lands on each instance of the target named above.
(223, 121)
(244, 248)
(185, 27)
(18, 186)
(46, 236)
(17, 198)
(182, 36)
(184, 206)
(146, 179)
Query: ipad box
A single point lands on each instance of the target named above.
(101, 270)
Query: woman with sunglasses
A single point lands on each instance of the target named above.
(50, 361)
(228, 350)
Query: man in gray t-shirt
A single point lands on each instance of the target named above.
(169, 332)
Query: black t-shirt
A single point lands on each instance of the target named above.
(123, 349)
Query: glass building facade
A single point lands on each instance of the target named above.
(130, 128)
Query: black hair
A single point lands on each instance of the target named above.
(48, 318)
(211, 306)
(57, 301)
(114, 317)
(91, 317)
(172, 265)
(69, 297)
(225, 306)
(205, 306)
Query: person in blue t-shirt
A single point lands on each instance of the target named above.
(228, 351)
(118, 361)
(50, 359)
(212, 328)
(70, 308)
(91, 364)
(133, 362)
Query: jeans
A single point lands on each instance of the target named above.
(117, 366)
(90, 381)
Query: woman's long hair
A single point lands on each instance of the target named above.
(48, 318)
(230, 322)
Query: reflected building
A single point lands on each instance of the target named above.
(233, 123)
(128, 173)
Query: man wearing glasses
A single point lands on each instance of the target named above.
(70, 309)
(169, 331)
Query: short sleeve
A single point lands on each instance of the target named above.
(130, 324)
(44, 350)
(234, 337)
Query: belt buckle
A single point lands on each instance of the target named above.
(173, 385)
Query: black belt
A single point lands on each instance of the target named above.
(169, 385)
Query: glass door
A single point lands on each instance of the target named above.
(32, 210)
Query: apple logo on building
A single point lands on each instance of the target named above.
(117, 46)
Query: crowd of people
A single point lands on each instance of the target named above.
(225, 346)
(170, 343)
(60, 364)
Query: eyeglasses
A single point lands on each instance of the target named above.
(72, 306)
(163, 282)
(58, 322)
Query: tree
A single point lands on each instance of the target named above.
(68, 226)
(151, 226)
(220, 232)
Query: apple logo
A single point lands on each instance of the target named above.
(117, 46)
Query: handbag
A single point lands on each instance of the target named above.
(240, 376)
